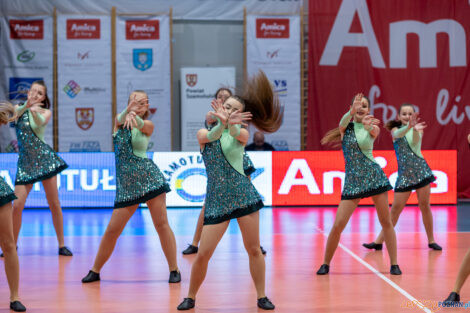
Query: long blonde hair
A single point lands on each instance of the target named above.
(7, 112)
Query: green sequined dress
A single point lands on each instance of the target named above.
(6, 194)
(137, 179)
(229, 194)
(364, 177)
(413, 171)
(37, 161)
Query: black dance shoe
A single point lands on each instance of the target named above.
(395, 270)
(65, 251)
(451, 299)
(324, 269)
(190, 250)
(435, 246)
(17, 306)
(373, 245)
(91, 277)
(187, 304)
(175, 277)
(265, 304)
(262, 250)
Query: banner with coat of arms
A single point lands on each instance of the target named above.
(25, 56)
(84, 82)
(143, 63)
(273, 45)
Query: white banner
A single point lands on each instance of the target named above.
(273, 45)
(198, 87)
(221, 10)
(143, 63)
(84, 82)
(25, 56)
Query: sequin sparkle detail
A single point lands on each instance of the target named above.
(413, 171)
(36, 160)
(137, 179)
(364, 177)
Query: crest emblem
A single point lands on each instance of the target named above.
(84, 117)
(142, 59)
(191, 80)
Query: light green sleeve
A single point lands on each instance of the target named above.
(121, 117)
(216, 131)
(235, 130)
(401, 132)
(39, 119)
(345, 119)
(21, 109)
(140, 122)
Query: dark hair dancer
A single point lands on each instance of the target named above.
(7, 240)
(37, 161)
(230, 194)
(413, 172)
(464, 272)
(138, 180)
(364, 178)
(221, 94)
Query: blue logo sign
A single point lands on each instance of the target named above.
(19, 86)
(280, 86)
(142, 59)
(179, 184)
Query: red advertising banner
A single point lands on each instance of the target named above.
(27, 29)
(143, 30)
(316, 177)
(83, 29)
(393, 52)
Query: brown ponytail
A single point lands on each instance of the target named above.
(333, 137)
(7, 112)
(259, 98)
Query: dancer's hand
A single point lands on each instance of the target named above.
(37, 109)
(357, 104)
(219, 111)
(369, 121)
(238, 117)
(420, 126)
(130, 121)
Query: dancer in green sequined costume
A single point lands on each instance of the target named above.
(364, 178)
(230, 194)
(248, 167)
(37, 161)
(139, 180)
(413, 172)
(7, 239)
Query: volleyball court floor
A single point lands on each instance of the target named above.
(135, 279)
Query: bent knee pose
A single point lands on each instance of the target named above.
(413, 172)
(364, 178)
(221, 94)
(7, 240)
(37, 161)
(139, 180)
(230, 194)
(464, 272)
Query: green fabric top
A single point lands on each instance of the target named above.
(140, 143)
(232, 149)
(364, 140)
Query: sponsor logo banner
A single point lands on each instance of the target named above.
(272, 28)
(83, 29)
(143, 30)
(25, 56)
(317, 177)
(27, 29)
